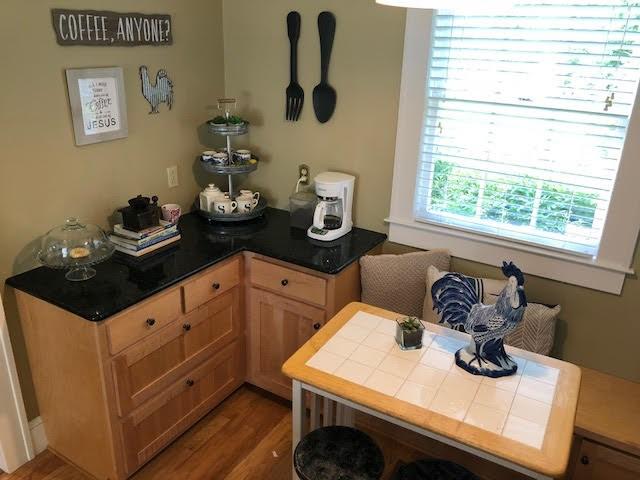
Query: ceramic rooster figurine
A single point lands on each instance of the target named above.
(458, 297)
(161, 92)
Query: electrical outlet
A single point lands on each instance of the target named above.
(172, 176)
(303, 171)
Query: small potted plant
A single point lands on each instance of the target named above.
(409, 333)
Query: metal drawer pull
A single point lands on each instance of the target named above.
(216, 286)
(190, 383)
(316, 326)
(151, 322)
(584, 460)
(186, 327)
(285, 282)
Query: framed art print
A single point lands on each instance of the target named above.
(98, 104)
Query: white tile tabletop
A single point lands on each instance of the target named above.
(364, 352)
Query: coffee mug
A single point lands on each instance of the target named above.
(246, 204)
(220, 158)
(171, 212)
(225, 206)
(207, 155)
(249, 193)
(243, 155)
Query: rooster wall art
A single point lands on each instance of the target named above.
(457, 298)
(161, 92)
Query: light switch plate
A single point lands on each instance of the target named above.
(172, 176)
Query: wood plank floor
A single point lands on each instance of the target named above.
(247, 437)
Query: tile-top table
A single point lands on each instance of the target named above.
(523, 422)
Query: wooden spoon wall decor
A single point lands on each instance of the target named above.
(324, 95)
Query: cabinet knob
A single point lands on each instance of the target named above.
(584, 460)
(284, 282)
(186, 327)
(151, 322)
(316, 326)
(190, 383)
(216, 286)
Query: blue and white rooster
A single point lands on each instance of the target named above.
(457, 297)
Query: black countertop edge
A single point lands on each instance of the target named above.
(123, 281)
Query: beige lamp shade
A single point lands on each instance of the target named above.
(448, 4)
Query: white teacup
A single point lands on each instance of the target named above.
(225, 206)
(246, 204)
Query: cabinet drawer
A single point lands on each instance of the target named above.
(597, 462)
(288, 282)
(211, 284)
(159, 421)
(148, 367)
(140, 322)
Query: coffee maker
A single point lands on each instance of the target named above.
(332, 217)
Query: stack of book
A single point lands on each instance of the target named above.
(145, 241)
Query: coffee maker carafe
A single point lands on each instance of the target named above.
(332, 217)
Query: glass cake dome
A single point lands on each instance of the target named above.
(75, 246)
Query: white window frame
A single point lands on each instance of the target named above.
(605, 272)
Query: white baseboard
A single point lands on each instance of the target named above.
(38, 435)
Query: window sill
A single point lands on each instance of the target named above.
(573, 269)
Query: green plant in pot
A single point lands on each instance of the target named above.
(409, 332)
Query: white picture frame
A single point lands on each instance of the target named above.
(98, 104)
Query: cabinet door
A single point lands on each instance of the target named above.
(213, 324)
(151, 427)
(139, 371)
(278, 327)
(597, 462)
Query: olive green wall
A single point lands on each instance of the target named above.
(597, 330)
(44, 177)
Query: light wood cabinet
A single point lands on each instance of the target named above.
(112, 394)
(606, 443)
(598, 462)
(279, 326)
(286, 306)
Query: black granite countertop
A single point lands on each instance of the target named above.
(123, 281)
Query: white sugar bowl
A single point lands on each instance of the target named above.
(208, 196)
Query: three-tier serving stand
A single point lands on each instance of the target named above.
(234, 167)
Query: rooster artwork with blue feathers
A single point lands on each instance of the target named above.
(458, 298)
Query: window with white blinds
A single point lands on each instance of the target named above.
(526, 116)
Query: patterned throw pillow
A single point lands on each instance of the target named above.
(536, 332)
(398, 282)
